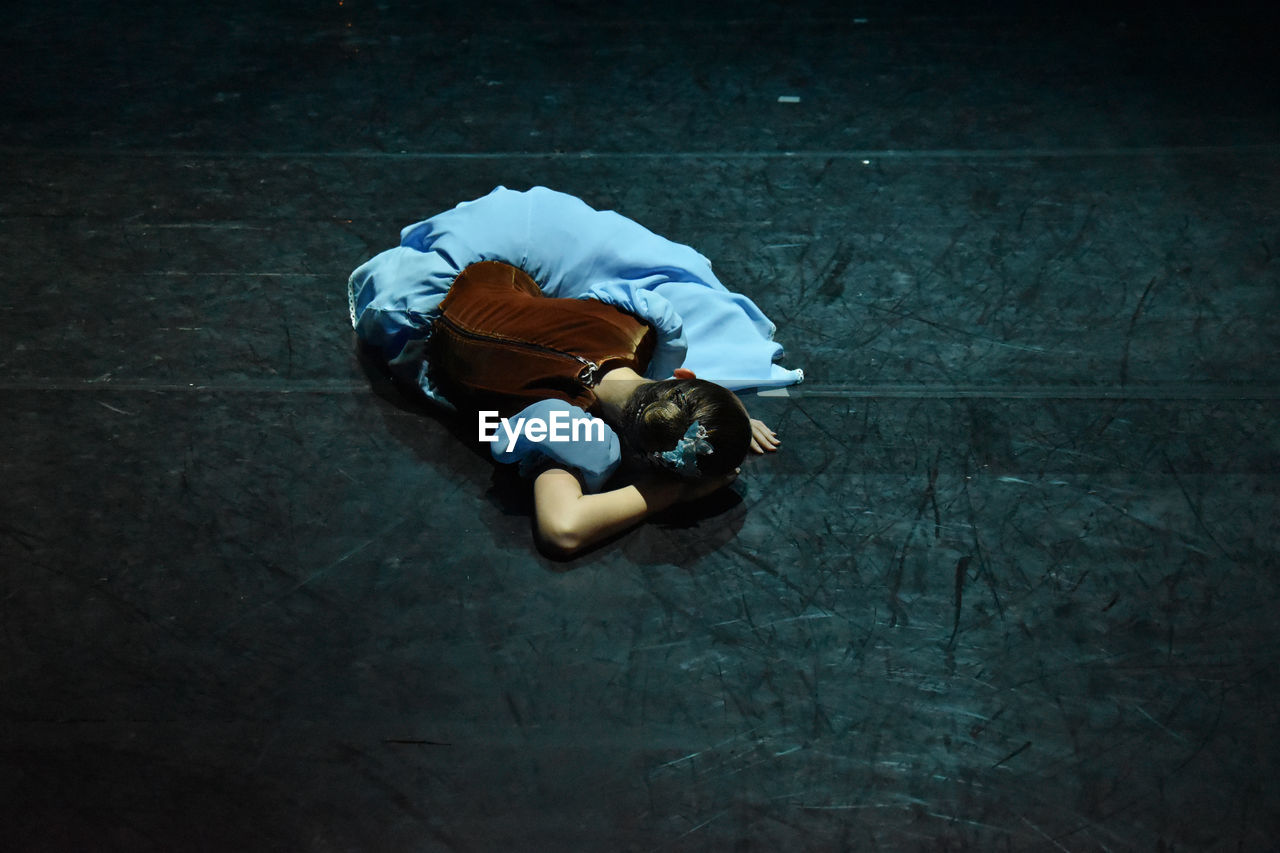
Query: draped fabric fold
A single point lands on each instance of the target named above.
(574, 251)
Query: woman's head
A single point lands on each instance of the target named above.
(691, 427)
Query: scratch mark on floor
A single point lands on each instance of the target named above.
(1012, 755)
(709, 820)
(114, 409)
(1195, 509)
(1046, 836)
(962, 571)
(1128, 338)
(381, 536)
(1159, 724)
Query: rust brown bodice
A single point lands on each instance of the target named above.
(500, 344)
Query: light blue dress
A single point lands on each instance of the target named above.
(570, 250)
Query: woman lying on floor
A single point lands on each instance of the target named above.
(577, 337)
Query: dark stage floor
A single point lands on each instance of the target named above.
(1010, 584)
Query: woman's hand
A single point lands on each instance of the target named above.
(763, 439)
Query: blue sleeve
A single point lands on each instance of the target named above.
(571, 439)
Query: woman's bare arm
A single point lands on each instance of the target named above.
(569, 520)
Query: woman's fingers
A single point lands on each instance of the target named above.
(763, 439)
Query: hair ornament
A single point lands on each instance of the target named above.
(683, 458)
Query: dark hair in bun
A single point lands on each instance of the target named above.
(659, 414)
